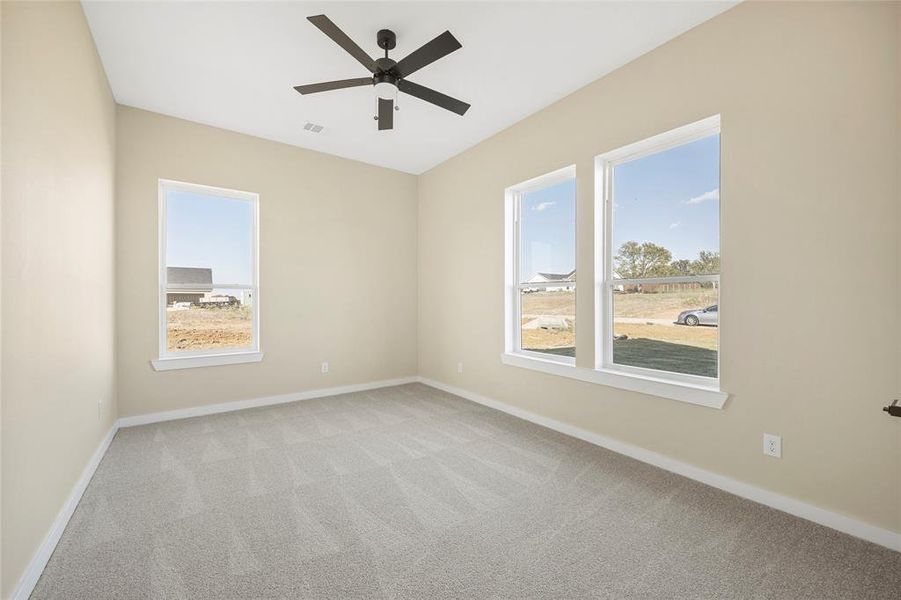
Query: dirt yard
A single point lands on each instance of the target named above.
(209, 328)
(664, 305)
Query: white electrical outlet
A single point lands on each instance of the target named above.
(459, 367)
(324, 367)
(772, 445)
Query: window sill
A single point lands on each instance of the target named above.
(683, 392)
(209, 360)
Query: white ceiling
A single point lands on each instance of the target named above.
(233, 65)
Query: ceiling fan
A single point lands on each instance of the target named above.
(389, 76)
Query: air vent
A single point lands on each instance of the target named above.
(313, 127)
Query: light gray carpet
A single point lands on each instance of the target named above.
(409, 492)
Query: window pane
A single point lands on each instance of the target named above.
(209, 244)
(210, 232)
(548, 234)
(219, 320)
(666, 212)
(669, 327)
(549, 320)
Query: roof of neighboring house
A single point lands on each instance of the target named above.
(189, 278)
(571, 276)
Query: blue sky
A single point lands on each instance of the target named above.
(209, 231)
(548, 230)
(670, 198)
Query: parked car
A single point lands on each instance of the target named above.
(701, 316)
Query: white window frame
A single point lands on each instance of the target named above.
(206, 358)
(512, 286)
(604, 166)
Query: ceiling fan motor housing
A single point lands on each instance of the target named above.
(384, 81)
(384, 65)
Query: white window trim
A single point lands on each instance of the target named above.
(206, 358)
(643, 383)
(512, 285)
(701, 391)
(707, 387)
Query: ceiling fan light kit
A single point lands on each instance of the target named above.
(389, 76)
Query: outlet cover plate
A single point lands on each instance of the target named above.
(772, 445)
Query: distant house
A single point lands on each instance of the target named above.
(566, 281)
(656, 288)
(187, 284)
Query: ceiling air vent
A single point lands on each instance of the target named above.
(313, 127)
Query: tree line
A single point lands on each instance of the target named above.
(638, 261)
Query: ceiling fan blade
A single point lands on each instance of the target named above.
(333, 85)
(386, 114)
(327, 27)
(430, 95)
(439, 47)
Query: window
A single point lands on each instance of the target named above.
(208, 293)
(659, 262)
(541, 280)
(656, 270)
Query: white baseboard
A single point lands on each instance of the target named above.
(871, 533)
(210, 409)
(31, 575)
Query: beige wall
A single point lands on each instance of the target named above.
(808, 97)
(58, 150)
(337, 264)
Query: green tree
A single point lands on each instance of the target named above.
(681, 267)
(708, 263)
(634, 260)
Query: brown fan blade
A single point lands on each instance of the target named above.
(327, 27)
(430, 95)
(333, 85)
(439, 47)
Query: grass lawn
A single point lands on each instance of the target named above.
(675, 348)
(545, 339)
(209, 328)
(665, 356)
(699, 337)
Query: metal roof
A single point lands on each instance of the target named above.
(189, 277)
